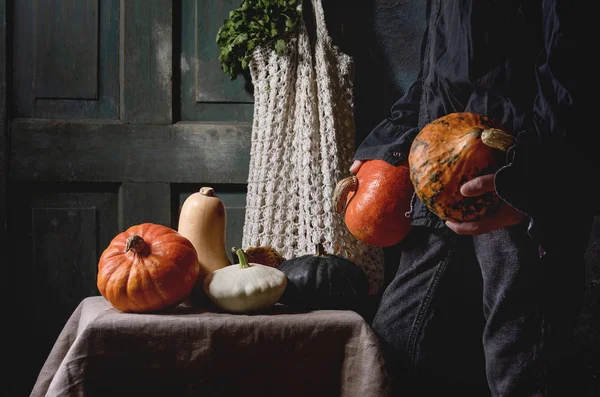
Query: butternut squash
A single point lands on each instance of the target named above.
(202, 220)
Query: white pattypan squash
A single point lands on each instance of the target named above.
(245, 287)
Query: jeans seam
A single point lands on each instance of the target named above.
(412, 345)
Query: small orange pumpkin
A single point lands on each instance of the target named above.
(147, 268)
(450, 151)
(374, 202)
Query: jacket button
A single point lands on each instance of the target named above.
(397, 154)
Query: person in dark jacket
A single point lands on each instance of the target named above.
(488, 307)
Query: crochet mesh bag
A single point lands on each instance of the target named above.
(303, 142)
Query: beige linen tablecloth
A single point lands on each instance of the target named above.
(194, 352)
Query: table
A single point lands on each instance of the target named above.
(194, 352)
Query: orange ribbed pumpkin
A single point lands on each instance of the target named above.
(374, 203)
(450, 151)
(147, 268)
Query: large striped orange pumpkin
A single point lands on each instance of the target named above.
(450, 151)
(374, 202)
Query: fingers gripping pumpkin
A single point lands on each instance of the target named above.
(449, 152)
(147, 268)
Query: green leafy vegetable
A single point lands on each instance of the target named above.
(254, 23)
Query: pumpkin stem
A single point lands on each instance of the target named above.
(135, 243)
(496, 138)
(320, 250)
(341, 191)
(243, 260)
(207, 191)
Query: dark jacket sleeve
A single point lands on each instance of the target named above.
(390, 140)
(546, 173)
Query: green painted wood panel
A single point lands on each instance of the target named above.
(207, 93)
(147, 51)
(235, 204)
(58, 232)
(66, 49)
(32, 26)
(65, 237)
(212, 85)
(144, 202)
(115, 152)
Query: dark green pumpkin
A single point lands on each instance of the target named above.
(324, 281)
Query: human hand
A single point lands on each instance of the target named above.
(503, 217)
(356, 166)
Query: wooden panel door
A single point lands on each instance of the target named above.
(120, 112)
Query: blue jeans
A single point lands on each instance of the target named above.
(463, 315)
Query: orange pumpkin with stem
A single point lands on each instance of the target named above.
(147, 268)
(451, 151)
(374, 202)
